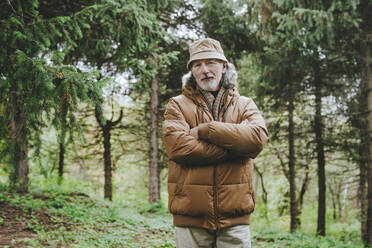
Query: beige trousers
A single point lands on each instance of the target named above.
(230, 237)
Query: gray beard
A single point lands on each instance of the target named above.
(211, 86)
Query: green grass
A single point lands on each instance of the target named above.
(271, 230)
(75, 220)
(277, 238)
(79, 221)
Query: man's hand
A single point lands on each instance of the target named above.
(194, 132)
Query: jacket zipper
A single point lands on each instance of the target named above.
(214, 181)
(215, 198)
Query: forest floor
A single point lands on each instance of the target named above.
(75, 220)
(14, 226)
(52, 219)
(19, 221)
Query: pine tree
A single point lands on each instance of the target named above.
(314, 24)
(111, 34)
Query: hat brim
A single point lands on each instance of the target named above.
(206, 55)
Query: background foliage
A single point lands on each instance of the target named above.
(306, 64)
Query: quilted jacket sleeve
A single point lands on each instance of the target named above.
(183, 148)
(245, 139)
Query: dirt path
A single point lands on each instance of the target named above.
(13, 227)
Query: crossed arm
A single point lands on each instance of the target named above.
(215, 141)
(194, 132)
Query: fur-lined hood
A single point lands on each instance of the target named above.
(229, 78)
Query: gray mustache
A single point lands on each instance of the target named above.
(206, 78)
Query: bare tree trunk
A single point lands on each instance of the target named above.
(303, 190)
(106, 127)
(107, 162)
(334, 205)
(304, 186)
(363, 152)
(318, 129)
(61, 158)
(18, 135)
(264, 192)
(335, 188)
(154, 175)
(339, 203)
(363, 175)
(62, 140)
(343, 204)
(365, 62)
(291, 165)
(368, 77)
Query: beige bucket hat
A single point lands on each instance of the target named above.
(206, 48)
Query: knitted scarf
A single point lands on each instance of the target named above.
(214, 103)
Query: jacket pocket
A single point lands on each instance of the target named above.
(235, 200)
(193, 200)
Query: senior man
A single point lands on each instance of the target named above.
(211, 135)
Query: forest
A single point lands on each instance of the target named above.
(83, 89)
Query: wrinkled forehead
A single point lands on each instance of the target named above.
(198, 61)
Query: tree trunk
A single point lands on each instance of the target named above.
(303, 190)
(368, 77)
(107, 163)
(363, 154)
(18, 135)
(334, 207)
(318, 129)
(264, 192)
(61, 161)
(62, 140)
(154, 175)
(363, 175)
(365, 61)
(333, 199)
(106, 127)
(291, 165)
(343, 203)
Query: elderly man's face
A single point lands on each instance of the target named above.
(208, 73)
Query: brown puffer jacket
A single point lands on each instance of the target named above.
(210, 178)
